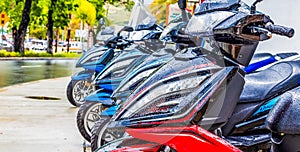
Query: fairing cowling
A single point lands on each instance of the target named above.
(117, 67)
(147, 68)
(94, 56)
(167, 95)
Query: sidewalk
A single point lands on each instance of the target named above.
(33, 125)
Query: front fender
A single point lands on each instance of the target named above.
(97, 68)
(83, 75)
(110, 111)
(101, 96)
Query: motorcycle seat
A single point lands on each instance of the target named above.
(271, 82)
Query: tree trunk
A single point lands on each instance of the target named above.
(14, 34)
(90, 37)
(21, 33)
(57, 37)
(50, 28)
(68, 40)
(95, 34)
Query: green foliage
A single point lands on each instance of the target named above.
(91, 11)
(61, 12)
(129, 5)
(39, 13)
(86, 12)
(38, 32)
(159, 7)
(4, 53)
(99, 5)
(14, 9)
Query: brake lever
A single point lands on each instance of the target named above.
(264, 34)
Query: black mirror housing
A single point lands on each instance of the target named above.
(127, 29)
(182, 4)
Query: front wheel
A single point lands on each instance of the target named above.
(101, 136)
(87, 116)
(78, 90)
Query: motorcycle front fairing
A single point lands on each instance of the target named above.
(93, 63)
(92, 56)
(137, 76)
(153, 140)
(178, 91)
(109, 79)
(134, 79)
(152, 63)
(115, 71)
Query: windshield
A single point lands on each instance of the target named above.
(216, 5)
(204, 24)
(105, 33)
(140, 15)
(167, 30)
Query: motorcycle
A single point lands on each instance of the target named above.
(105, 83)
(99, 136)
(92, 62)
(202, 91)
(138, 76)
(95, 60)
(110, 77)
(132, 81)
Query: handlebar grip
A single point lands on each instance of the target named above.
(281, 30)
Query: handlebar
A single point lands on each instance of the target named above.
(281, 30)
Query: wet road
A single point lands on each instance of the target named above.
(20, 71)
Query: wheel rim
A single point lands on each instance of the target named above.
(92, 116)
(81, 89)
(109, 136)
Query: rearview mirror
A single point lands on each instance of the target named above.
(182, 4)
(126, 28)
(253, 6)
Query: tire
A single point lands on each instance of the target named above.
(87, 116)
(77, 91)
(101, 136)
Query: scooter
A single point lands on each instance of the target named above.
(140, 74)
(96, 59)
(130, 83)
(89, 112)
(189, 112)
(93, 62)
(116, 71)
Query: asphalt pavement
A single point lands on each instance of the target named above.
(38, 125)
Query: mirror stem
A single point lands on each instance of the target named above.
(253, 6)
